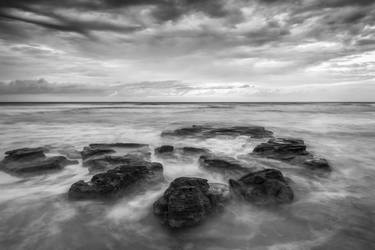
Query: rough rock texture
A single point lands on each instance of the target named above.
(290, 150)
(208, 131)
(106, 162)
(116, 181)
(88, 152)
(263, 187)
(32, 161)
(118, 145)
(188, 201)
(164, 149)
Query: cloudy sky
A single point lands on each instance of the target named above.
(187, 50)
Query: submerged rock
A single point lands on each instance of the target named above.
(32, 161)
(263, 187)
(208, 131)
(116, 181)
(292, 151)
(188, 201)
(88, 152)
(164, 149)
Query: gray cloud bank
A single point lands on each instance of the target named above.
(38, 90)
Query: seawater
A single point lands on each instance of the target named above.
(335, 211)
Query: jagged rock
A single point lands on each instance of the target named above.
(292, 151)
(88, 152)
(32, 161)
(116, 181)
(118, 145)
(164, 149)
(188, 201)
(107, 162)
(263, 187)
(208, 131)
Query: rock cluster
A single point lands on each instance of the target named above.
(188, 200)
(292, 151)
(32, 161)
(208, 131)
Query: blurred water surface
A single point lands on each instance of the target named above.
(330, 212)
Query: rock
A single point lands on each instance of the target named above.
(263, 187)
(194, 151)
(292, 151)
(164, 149)
(208, 131)
(32, 161)
(115, 182)
(118, 145)
(107, 162)
(317, 163)
(224, 165)
(281, 148)
(88, 152)
(25, 154)
(187, 202)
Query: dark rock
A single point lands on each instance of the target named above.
(281, 147)
(263, 187)
(88, 152)
(292, 151)
(25, 154)
(32, 161)
(193, 150)
(252, 131)
(116, 181)
(107, 162)
(207, 131)
(164, 149)
(224, 165)
(188, 201)
(118, 145)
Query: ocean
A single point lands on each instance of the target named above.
(334, 211)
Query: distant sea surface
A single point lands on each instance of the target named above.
(329, 212)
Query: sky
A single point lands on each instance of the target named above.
(187, 50)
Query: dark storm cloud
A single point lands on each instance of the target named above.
(161, 11)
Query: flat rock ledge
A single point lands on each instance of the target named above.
(188, 201)
(291, 150)
(32, 161)
(208, 131)
(115, 182)
(263, 187)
